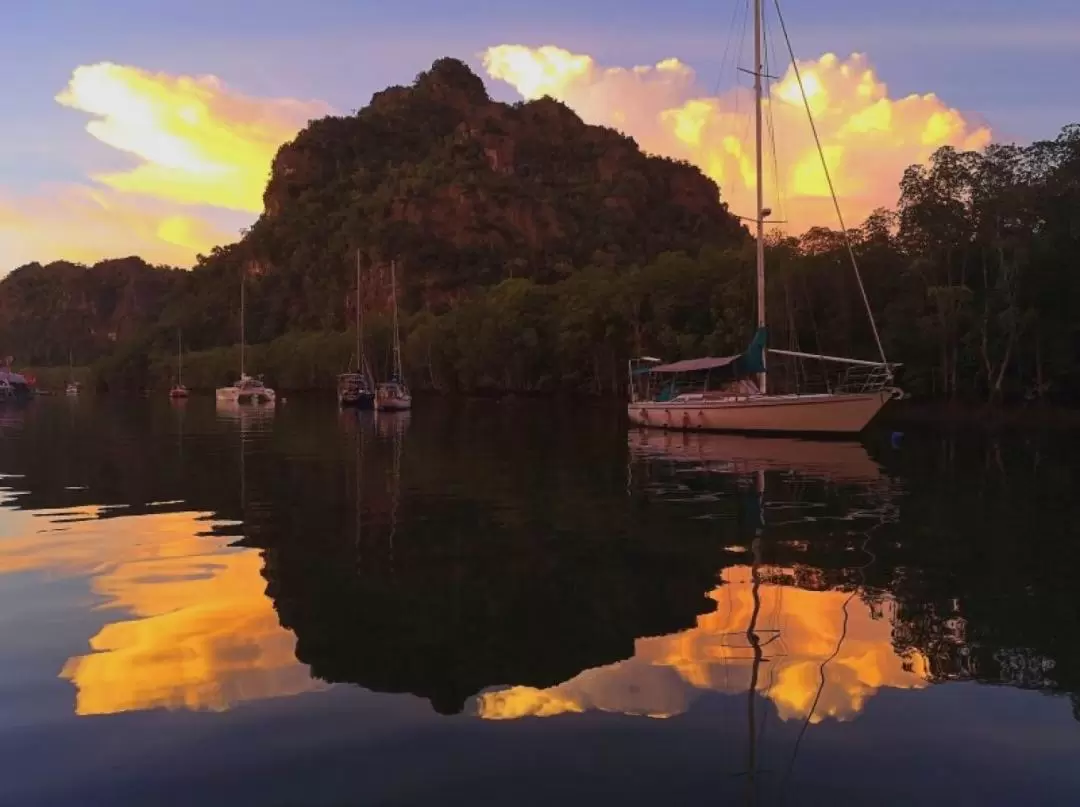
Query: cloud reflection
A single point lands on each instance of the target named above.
(191, 626)
(804, 637)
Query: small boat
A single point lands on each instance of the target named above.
(394, 395)
(355, 387)
(248, 390)
(73, 387)
(14, 388)
(729, 393)
(178, 389)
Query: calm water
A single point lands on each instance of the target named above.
(514, 604)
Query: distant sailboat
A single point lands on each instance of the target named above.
(14, 387)
(247, 390)
(393, 395)
(179, 390)
(354, 388)
(72, 388)
(729, 393)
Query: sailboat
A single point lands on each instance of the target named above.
(354, 388)
(730, 393)
(247, 390)
(179, 390)
(72, 387)
(14, 387)
(393, 395)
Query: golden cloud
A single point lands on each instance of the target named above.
(198, 141)
(815, 666)
(85, 224)
(868, 137)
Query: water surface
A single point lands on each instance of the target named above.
(513, 603)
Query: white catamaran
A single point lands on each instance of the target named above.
(247, 390)
(394, 395)
(730, 393)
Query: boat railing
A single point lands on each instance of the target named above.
(864, 379)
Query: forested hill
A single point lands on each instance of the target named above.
(536, 253)
(50, 314)
(461, 191)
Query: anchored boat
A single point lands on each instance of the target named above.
(730, 393)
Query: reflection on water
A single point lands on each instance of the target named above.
(509, 561)
(824, 652)
(825, 655)
(189, 623)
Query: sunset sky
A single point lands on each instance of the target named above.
(140, 127)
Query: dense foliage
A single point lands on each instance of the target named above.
(535, 253)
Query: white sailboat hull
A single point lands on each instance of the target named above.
(795, 414)
(264, 397)
(393, 404)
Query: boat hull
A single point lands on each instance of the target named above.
(361, 400)
(15, 394)
(247, 398)
(393, 404)
(765, 414)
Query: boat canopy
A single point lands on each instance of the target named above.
(694, 365)
(748, 363)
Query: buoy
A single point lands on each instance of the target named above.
(896, 438)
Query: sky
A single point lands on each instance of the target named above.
(148, 127)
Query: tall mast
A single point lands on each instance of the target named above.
(180, 357)
(759, 213)
(242, 332)
(359, 341)
(397, 343)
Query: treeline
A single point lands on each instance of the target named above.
(973, 279)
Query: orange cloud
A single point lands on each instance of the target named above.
(198, 141)
(868, 137)
(85, 224)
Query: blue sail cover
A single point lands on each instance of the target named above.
(752, 361)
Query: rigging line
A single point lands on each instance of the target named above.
(739, 57)
(817, 697)
(727, 45)
(781, 213)
(867, 535)
(828, 180)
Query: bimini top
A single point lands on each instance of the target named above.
(694, 365)
(743, 364)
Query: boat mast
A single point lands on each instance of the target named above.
(360, 363)
(180, 357)
(398, 374)
(759, 213)
(242, 301)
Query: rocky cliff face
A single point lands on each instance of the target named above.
(464, 191)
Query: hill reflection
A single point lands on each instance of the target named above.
(519, 561)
